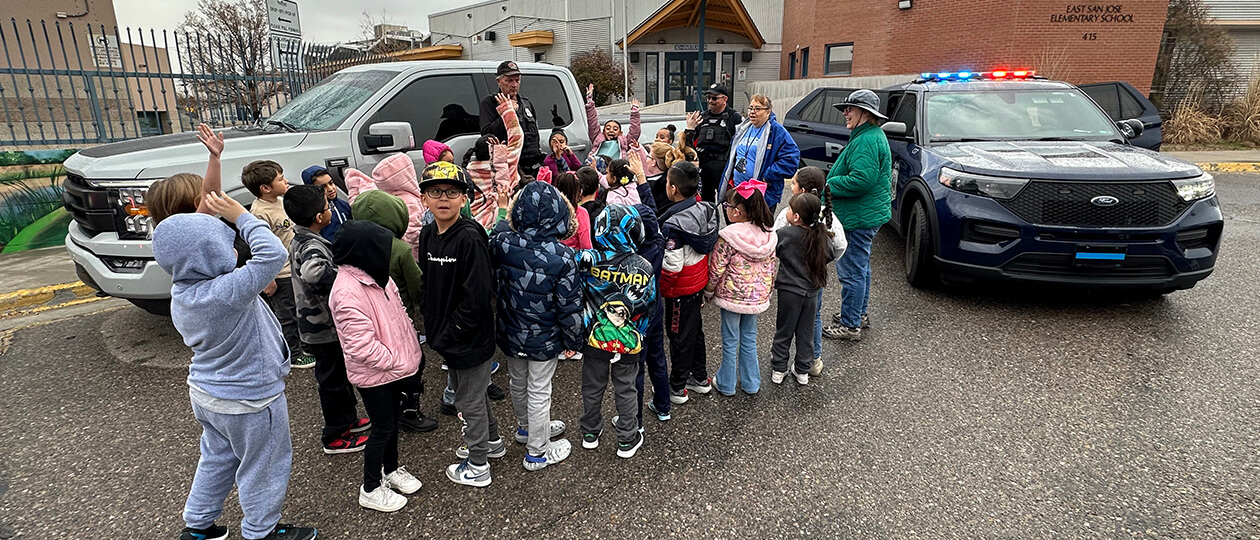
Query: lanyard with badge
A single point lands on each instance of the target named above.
(741, 150)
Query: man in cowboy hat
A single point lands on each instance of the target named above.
(509, 78)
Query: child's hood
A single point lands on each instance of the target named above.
(619, 229)
(541, 213)
(194, 247)
(750, 240)
(397, 174)
(382, 209)
(366, 246)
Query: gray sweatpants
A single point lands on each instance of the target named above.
(531, 397)
(595, 375)
(795, 319)
(471, 401)
(254, 452)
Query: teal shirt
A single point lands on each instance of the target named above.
(860, 182)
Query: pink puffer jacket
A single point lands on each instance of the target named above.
(377, 337)
(395, 175)
(742, 267)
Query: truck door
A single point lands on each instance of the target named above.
(439, 106)
(1121, 101)
(554, 108)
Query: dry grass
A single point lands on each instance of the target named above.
(1190, 124)
(1242, 116)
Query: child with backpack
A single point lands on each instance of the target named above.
(804, 250)
(741, 274)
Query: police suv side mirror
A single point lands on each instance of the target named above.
(1131, 129)
(389, 137)
(894, 129)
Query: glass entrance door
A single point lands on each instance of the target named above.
(681, 74)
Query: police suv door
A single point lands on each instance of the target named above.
(818, 128)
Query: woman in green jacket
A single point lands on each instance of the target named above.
(859, 193)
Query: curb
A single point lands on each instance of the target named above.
(38, 299)
(1230, 167)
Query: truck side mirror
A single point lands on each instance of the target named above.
(894, 129)
(389, 137)
(1131, 129)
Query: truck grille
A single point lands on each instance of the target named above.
(1141, 204)
(89, 206)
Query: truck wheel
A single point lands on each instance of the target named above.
(159, 307)
(921, 269)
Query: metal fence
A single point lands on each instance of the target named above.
(62, 84)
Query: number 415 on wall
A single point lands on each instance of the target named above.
(1090, 36)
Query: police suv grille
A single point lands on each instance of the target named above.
(1141, 204)
(1066, 266)
(89, 206)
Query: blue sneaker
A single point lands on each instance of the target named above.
(468, 474)
(662, 416)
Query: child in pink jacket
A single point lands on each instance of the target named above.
(612, 128)
(381, 349)
(395, 175)
(493, 166)
(741, 278)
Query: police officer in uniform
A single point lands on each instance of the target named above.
(509, 78)
(711, 134)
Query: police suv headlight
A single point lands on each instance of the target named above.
(1193, 189)
(985, 186)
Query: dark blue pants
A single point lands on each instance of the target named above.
(655, 364)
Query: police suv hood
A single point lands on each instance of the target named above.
(1063, 160)
(160, 156)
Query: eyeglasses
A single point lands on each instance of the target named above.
(755, 109)
(713, 98)
(439, 193)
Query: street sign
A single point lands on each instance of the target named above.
(282, 18)
(105, 52)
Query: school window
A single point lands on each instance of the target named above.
(540, 57)
(840, 59)
(805, 63)
(652, 67)
(791, 65)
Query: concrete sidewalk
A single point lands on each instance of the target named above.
(40, 280)
(1234, 161)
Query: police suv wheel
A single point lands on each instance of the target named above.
(920, 267)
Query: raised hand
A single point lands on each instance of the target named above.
(634, 161)
(225, 206)
(212, 140)
(501, 98)
(634, 103)
(693, 119)
(590, 91)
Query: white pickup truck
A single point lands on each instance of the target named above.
(352, 119)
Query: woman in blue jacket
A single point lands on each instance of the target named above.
(762, 150)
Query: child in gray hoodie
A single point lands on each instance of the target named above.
(239, 363)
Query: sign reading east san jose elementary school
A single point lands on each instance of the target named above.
(282, 18)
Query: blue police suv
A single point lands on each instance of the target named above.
(1010, 177)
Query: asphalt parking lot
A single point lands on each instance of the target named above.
(976, 414)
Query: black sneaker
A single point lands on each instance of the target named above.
(446, 408)
(495, 392)
(291, 532)
(213, 532)
(628, 449)
(412, 420)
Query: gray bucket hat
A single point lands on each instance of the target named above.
(862, 99)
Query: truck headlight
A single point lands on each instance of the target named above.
(135, 211)
(1193, 189)
(985, 186)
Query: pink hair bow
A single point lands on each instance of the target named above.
(745, 188)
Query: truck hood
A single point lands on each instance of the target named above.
(1063, 160)
(163, 155)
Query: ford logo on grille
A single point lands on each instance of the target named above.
(1105, 200)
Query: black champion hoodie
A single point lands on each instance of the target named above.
(458, 287)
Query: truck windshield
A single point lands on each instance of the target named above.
(1016, 115)
(327, 104)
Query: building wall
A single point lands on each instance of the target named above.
(1077, 42)
(1241, 20)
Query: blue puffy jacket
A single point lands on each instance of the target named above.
(540, 298)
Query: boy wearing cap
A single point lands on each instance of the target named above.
(509, 78)
(458, 286)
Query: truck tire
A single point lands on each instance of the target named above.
(921, 269)
(160, 307)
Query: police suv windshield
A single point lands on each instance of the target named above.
(1023, 115)
(327, 104)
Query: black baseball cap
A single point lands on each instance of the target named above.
(507, 68)
(717, 89)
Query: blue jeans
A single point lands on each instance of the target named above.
(853, 270)
(739, 354)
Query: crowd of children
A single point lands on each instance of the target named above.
(573, 264)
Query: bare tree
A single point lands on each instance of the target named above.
(228, 40)
(1193, 54)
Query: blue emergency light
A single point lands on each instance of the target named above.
(964, 76)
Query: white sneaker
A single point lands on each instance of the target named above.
(802, 378)
(817, 367)
(382, 499)
(468, 474)
(777, 377)
(401, 481)
(556, 452)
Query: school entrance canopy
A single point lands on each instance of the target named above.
(729, 15)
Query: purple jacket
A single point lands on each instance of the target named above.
(570, 160)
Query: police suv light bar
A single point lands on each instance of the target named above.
(963, 76)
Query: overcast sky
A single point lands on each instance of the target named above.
(323, 21)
